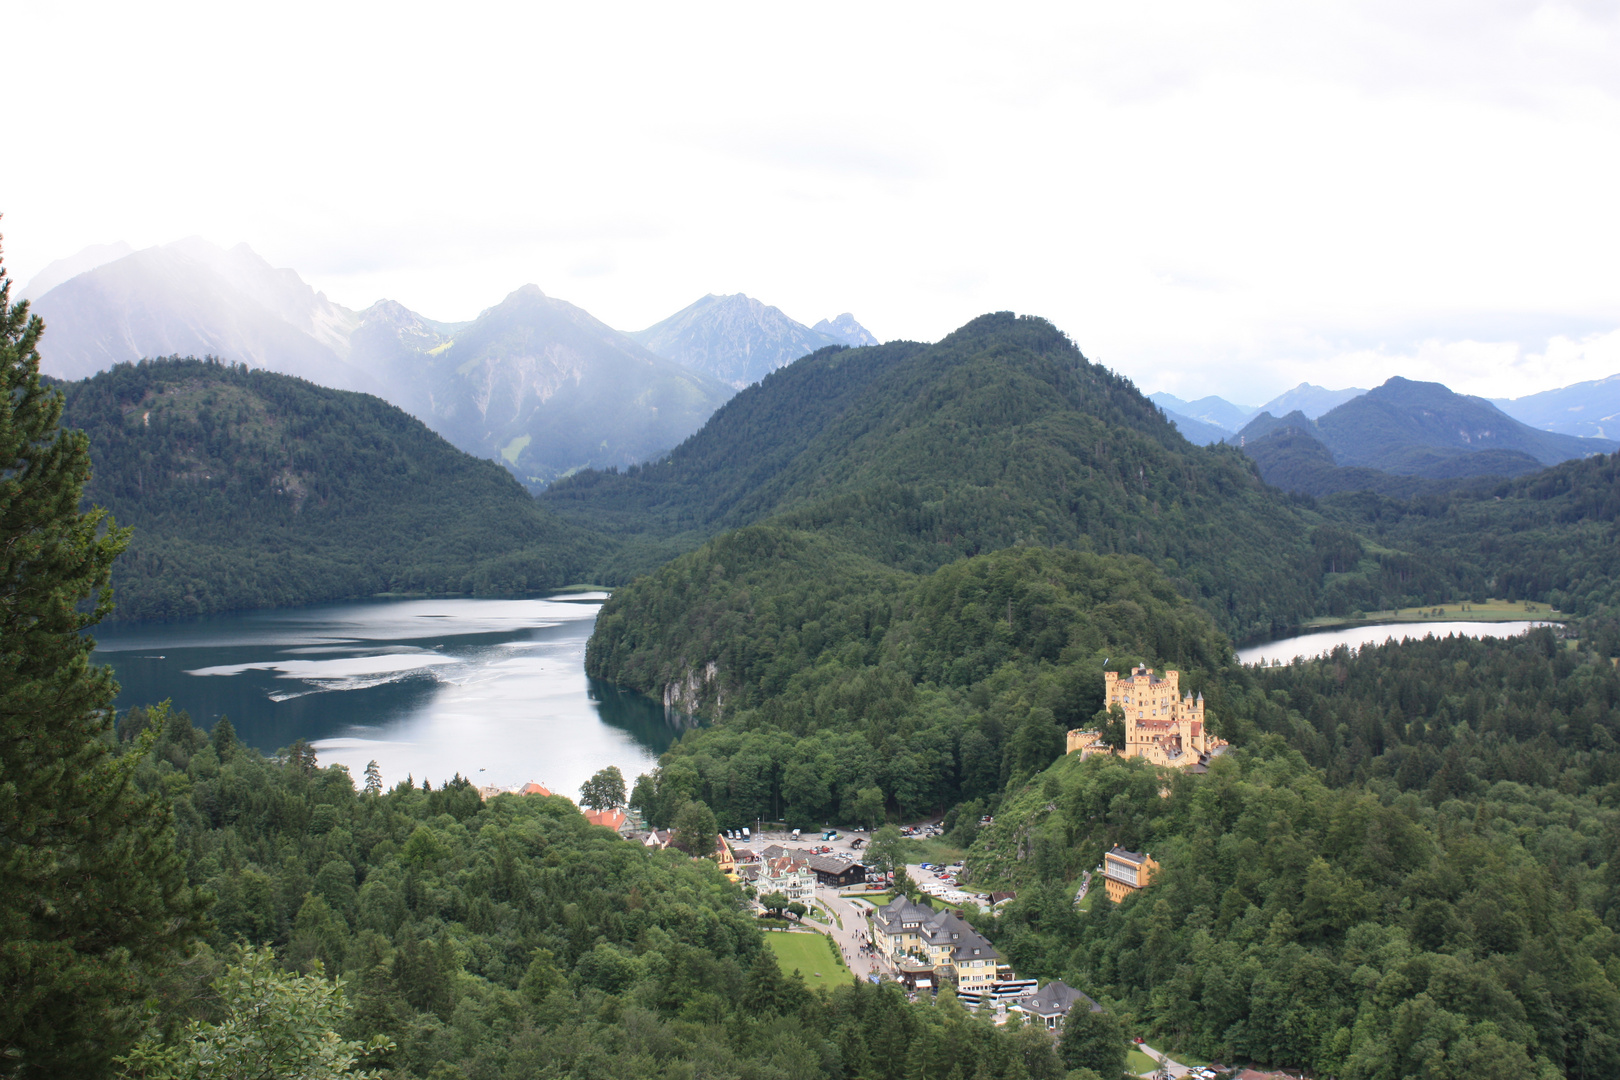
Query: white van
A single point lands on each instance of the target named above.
(745, 834)
(795, 834)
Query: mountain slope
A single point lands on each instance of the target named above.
(1001, 434)
(1586, 409)
(252, 489)
(739, 340)
(534, 383)
(1196, 431)
(846, 330)
(79, 262)
(539, 384)
(1380, 429)
(1311, 400)
(1208, 410)
(191, 297)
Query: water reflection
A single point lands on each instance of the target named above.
(1322, 642)
(492, 689)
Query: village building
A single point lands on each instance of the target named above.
(1124, 872)
(792, 877)
(1162, 725)
(724, 857)
(611, 818)
(1049, 1006)
(955, 950)
(830, 872)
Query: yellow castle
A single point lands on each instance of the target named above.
(1161, 724)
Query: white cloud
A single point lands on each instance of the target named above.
(1211, 197)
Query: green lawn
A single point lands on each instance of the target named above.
(932, 850)
(812, 954)
(1489, 611)
(1192, 1060)
(1139, 1063)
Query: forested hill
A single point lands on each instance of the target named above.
(251, 489)
(1001, 434)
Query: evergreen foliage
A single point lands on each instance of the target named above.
(510, 938)
(250, 489)
(1001, 434)
(1439, 898)
(837, 675)
(276, 1023)
(93, 900)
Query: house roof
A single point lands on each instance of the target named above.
(535, 789)
(610, 818)
(824, 863)
(940, 929)
(1056, 998)
(1120, 853)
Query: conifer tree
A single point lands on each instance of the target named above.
(93, 896)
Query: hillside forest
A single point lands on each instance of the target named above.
(888, 580)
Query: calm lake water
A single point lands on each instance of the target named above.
(1321, 642)
(492, 689)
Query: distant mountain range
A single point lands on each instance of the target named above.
(1585, 408)
(1403, 428)
(740, 340)
(1213, 419)
(247, 488)
(533, 382)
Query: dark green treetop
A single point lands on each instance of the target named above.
(93, 896)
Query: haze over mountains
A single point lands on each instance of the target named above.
(740, 340)
(1403, 428)
(534, 382)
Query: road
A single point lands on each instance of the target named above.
(1173, 1068)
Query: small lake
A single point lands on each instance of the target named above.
(492, 689)
(1321, 642)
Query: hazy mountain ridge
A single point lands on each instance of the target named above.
(254, 489)
(740, 340)
(1588, 409)
(1308, 399)
(191, 298)
(1197, 431)
(549, 389)
(513, 405)
(1000, 434)
(1402, 429)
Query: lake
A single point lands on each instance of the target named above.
(1321, 642)
(492, 689)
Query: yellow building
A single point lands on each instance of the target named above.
(1126, 871)
(1162, 724)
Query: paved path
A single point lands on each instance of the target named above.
(1174, 1068)
(850, 939)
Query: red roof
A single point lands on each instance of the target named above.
(535, 789)
(608, 819)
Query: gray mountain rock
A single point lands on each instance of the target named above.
(1206, 410)
(534, 382)
(537, 384)
(847, 330)
(1311, 400)
(735, 338)
(1590, 409)
(194, 299)
(71, 267)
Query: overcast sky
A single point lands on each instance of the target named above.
(1209, 197)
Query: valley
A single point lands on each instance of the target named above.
(880, 582)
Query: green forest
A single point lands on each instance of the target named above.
(1409, 870)
(250, 489)
(511, 938)
(889, 580)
